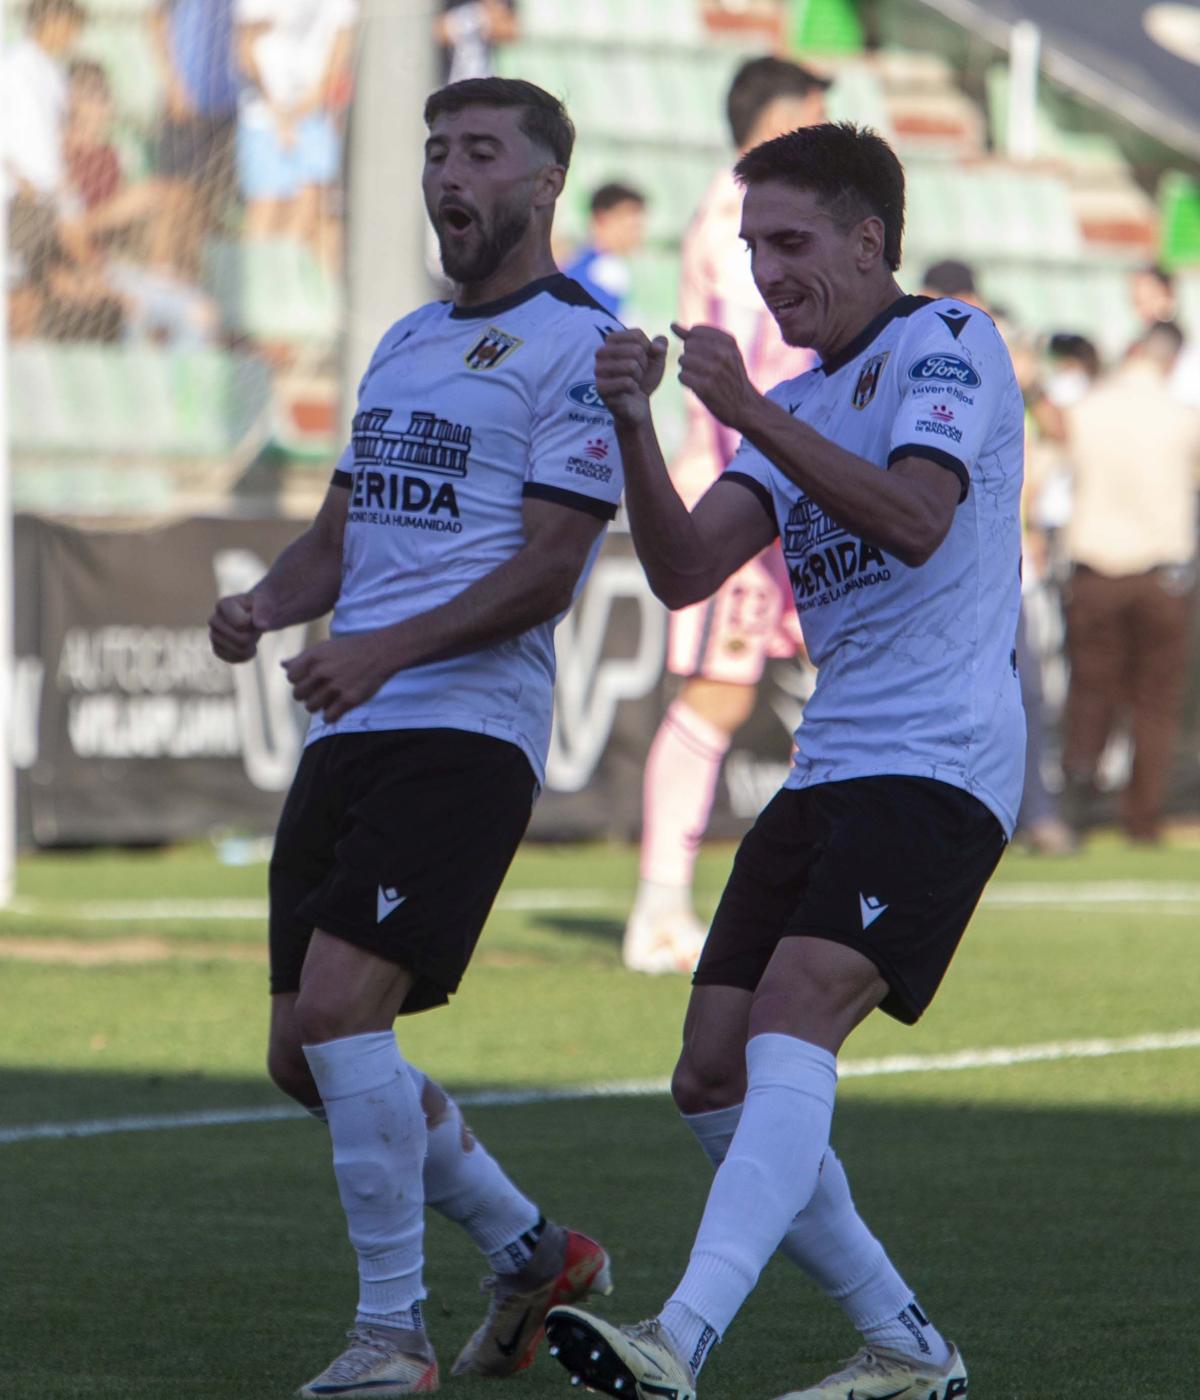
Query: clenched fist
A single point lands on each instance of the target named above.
(629, 367)
(712, 368)
(336, 675)
(237, 622)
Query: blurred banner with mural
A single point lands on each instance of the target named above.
(129, 730)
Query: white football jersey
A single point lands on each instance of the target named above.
(916, 666)
(462, 414)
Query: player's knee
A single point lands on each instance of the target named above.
(702, 1084)
(289, 1071)
(322, 1015)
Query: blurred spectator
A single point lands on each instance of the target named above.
(1135, 455)
(52, 289)
(33, 90)
(296, 56)
(108, 236)
(193, 41)
(1152, 292)
(616, 230)
(469, 32)
(93, 165)
(1074, 368)
(951, 278)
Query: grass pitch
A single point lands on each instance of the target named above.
(1045, 1211)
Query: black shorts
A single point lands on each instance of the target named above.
(397, 842)
(892, 867)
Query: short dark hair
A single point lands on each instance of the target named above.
(1069, 345)
(757, 83)
(851, 169)
(1164, 278)
(949, 277)
(39, 10)
(608, 196)
(543, 117)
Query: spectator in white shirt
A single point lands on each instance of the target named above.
(296, 55)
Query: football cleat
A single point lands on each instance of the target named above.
(664, 942)
(877, 1374)
(379, 1361)
(566, 1267)
(636, 1362)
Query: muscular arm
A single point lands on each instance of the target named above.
(686, 555)
(532, 587)
(303, 582)
(300, 586)
(906, 511)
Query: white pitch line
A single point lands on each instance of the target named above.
(149, 910)
(1096, 894)
(1093, 892)
(993, 1057)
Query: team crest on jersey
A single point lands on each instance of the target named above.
(493, 347)
(868, 380)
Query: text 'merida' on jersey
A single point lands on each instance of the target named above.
(462, 414)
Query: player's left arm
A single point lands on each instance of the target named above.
(906, 511)
(533, 586)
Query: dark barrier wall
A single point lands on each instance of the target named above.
(129, 730)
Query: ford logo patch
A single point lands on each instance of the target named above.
(945, 367)
(587, 396)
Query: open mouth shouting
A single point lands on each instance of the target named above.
(454, 219)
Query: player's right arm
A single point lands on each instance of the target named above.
(686, 555)
(300, 586)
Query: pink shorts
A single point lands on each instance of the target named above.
(729, 636)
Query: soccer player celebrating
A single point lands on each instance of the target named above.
(719, 646)
(458, 528)
(892, 474)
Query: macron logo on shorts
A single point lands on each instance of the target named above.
(387, 902)
(870, 907)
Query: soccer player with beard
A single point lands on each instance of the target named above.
(892, 475)
(460, 524)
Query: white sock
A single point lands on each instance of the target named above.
(773, 1163)
(678, 786)
(466, 1184)
(829, 1240)
(378, 1133)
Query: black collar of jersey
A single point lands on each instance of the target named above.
(561, 287)
(902, 306)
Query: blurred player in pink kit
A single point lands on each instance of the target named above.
(718, 647)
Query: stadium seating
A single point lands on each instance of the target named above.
(273, 290)
(141, 402)
(1052, 241)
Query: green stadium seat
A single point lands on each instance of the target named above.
(273, 290)
(1179, 201)
(132, 401)
(823, 26)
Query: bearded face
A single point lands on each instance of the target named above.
(481, 181)
(474, 244)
